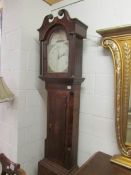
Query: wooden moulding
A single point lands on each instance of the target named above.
(50, 2)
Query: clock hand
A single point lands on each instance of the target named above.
(58, 53)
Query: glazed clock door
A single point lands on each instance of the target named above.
(58, 103)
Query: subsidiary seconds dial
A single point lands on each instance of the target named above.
(58, 52)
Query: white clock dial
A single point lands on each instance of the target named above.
(58, 52)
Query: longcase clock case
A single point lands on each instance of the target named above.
(63, 89)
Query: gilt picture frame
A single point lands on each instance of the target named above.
(51, 2)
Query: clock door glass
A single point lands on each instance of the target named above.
(58, 52)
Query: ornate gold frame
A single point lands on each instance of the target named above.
(50, 2)
(118, 41)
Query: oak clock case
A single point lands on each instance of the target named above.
(61, 44)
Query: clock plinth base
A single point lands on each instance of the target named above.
(46, 167)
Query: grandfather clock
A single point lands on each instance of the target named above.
(61, 44)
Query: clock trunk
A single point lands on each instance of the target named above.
(62, 126)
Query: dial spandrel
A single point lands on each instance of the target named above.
(58, 52)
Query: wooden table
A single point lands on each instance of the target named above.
(99, 164)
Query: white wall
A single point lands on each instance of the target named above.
(32, 116)
(10, 70)
(23, 122)
(22, 125)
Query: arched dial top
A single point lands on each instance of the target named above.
(58, 52)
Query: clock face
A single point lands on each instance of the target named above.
(58, 52)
